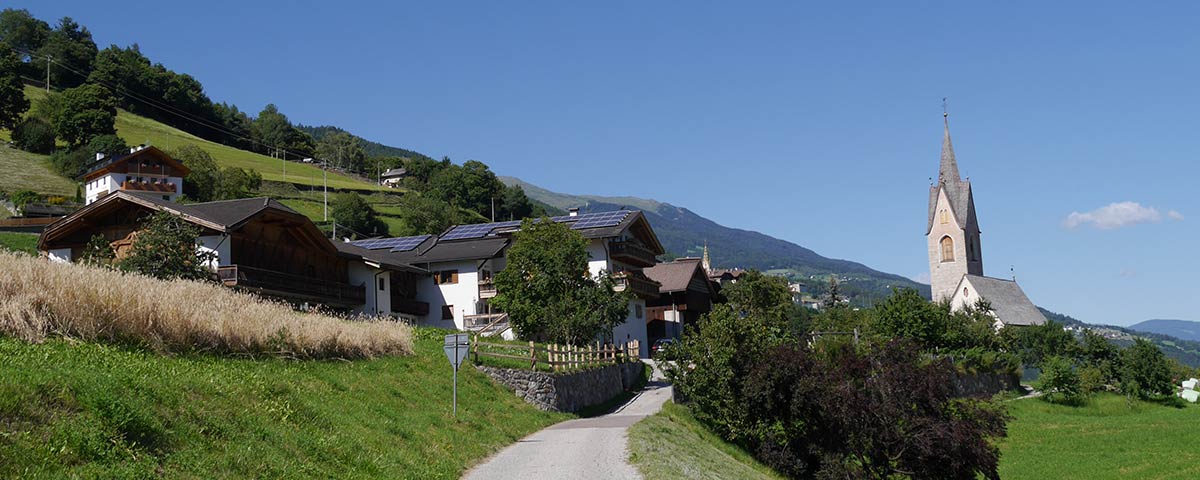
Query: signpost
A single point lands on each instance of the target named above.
(456, 348)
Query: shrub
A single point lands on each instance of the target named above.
(165, 247)
(23, 197)
(70, 163)
(884, 413)
(1145, 371)
(34, 135)
(40, 298)
(1060, 382)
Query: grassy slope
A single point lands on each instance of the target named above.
(1106, 439)
(672, 444)
(88, 410)
(30, 171)
(19, 242)
(138, 130)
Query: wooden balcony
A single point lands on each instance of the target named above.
(292, 287)
(487, 288)
(637, 284)
(148, 186)
(410, 307)
(631, 253)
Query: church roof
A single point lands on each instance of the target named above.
(958, 191)
(1009, 302)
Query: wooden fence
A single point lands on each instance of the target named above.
(556, 357)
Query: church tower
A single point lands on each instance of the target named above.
(953, 231)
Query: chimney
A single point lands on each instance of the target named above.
(99, 156)
(573, 211)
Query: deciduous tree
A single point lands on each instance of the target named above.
(83, 113)
(165, 248)
(12, 93)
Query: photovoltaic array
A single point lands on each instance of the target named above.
(402, 244)
(578, 222)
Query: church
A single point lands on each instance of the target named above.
(956, 256)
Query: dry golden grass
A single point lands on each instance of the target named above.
(40, 298)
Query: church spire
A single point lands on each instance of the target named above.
(705, 261)
(949, 169)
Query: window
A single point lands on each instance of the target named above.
(447, 312)
(381, 286)
(945, 217)
(966, 293)
(167, 197)
(637, 310)
(446, 277)
(947, 249)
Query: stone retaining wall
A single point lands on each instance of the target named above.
(985, 384)
(569, 392)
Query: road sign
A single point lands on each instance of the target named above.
(456, 348)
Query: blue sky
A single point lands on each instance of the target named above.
(819, 124)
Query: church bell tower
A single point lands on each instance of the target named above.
(953, 230)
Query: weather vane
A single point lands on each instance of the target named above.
(944, 114)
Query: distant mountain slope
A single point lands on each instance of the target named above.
(683, 233)
(1185, 329)
(1186, 350)
(373, 149)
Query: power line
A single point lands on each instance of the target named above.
(161, 106)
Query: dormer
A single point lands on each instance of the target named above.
(143, 169)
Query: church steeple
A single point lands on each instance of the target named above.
(705, 261)
(948, 172)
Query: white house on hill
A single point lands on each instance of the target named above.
(144, 169)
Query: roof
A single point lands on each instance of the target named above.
(476, 249)
(958, 191)
(395, 172)
(221, 216)
(383, 258)
(674, 276)
(111, 160)
(588, 225)
(1009, 302)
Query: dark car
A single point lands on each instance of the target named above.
(661, 345)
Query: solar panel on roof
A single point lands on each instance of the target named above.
(399, 244)
(581, 221)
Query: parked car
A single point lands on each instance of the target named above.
(661, 345)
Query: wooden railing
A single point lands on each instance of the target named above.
(487, 288)
(636, 283)
(632, 253)
(556, 357)
(148, 186)
(410, 306)
(285, 284)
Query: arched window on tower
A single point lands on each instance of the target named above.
(947, 249)
(945, 217)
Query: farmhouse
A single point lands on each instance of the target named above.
(463, 259)
(259, 245)
(144, 169)
(685, 294)
(392, 178)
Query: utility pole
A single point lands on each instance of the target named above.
(325, 174)
(493, 209)
(47, 74)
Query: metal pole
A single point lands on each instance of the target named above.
(456, 347)
(47, 74)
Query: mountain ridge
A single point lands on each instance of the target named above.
(684, 233)
(1184, 329)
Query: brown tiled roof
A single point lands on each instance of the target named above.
(674, 276)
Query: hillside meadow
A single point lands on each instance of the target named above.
(1108, 438)
(92, 410)
(136, 130)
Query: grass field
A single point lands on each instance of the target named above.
(672, 444)
(138, 130)
(87, 410)
(30, 171)
(1106, 439)
(19, 242)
